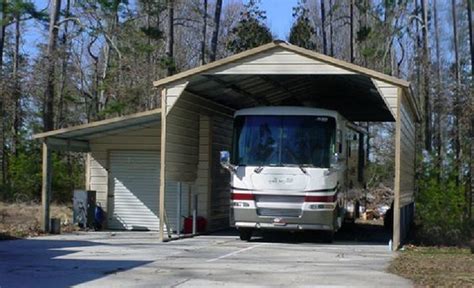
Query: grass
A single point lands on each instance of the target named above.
(435, 266)
(20, 220)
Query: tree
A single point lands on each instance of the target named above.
(426, 78)
(170, 39)
(457, 102)
(323, 27)
(439, 86)
(471, 34)
(215, 33)
(251, 31)
(471, 46)
(302, 31)
(48, 109)
(331, 32)
(351, 37)
(204, 29)
(3, 26)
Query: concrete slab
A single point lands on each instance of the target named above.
(119, 259)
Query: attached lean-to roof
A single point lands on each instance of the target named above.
(97, 128)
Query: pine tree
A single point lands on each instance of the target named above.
(251, 30)
(302, 31)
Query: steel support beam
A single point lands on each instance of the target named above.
(163, 165)
(46, 187)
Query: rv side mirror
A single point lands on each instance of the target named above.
(225, 158)
(225, 161)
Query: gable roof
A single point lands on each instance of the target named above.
(286, 46)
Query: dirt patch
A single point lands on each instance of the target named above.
(19, 220)
(433, 266)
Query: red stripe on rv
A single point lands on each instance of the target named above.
(320, 198)
(241, 196)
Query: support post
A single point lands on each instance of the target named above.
(396, 198)
(46, 187)
(162, 164)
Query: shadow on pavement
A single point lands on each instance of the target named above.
(355, 233)
(49, 263)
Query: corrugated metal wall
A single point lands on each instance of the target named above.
(405, 157)
(204, 128)
(142, 140)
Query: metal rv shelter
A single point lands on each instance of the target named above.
(155, 165)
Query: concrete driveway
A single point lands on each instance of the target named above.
(106, 259)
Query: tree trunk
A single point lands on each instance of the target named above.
(439, 90)
(170, 46)
(331, 42)
(3, 26)
(323, 27)
(352, 31)
(215, 34)
(48, 109)
(471, 42)
(426, 78)
(3, 159)
(471, 34)
(457, 114)
(204, 30)
(65, 48)
(16, 87)
(417, 48)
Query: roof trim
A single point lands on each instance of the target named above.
(96, 124)
(289, 47)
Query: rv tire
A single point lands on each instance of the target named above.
(245, 234)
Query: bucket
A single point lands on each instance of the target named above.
(55, 226)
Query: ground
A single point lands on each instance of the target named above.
(110, 259)
(436, 266)
(18, 220)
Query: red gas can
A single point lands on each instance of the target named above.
(201, 225)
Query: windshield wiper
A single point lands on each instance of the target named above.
(302, 169)
(301, 166)
(258, 169)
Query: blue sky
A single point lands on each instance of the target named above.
(279, 16)
(279, 19)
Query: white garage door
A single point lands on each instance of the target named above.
(135, 180)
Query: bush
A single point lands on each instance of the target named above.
(25, 178)
(441, 204)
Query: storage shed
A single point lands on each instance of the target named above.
(153, 165)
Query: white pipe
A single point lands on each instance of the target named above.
(178, 214)
(195, 206)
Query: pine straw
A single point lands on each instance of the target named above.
(435, 266)
(20, 220)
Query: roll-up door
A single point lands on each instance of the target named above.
(135, 180)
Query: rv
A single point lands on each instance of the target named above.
(293, 168)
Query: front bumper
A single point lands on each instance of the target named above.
(308, 220)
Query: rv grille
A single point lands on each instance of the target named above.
(278, 212)
(279, 198)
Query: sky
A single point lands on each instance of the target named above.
(279, 16)
(279, 19)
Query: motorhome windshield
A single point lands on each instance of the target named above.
(261, 140)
